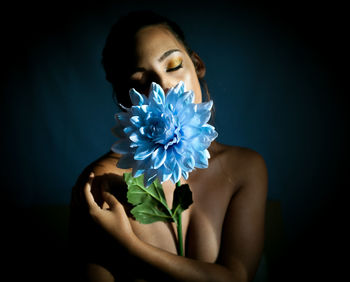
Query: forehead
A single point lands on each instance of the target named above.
(153, 41)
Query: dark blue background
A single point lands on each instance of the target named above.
(275, 73)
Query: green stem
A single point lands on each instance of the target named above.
(179, 235)
(179, 231)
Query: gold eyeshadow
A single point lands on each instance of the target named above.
(173, 63)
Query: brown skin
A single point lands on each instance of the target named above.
(223, 229)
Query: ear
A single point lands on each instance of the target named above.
(198, 64)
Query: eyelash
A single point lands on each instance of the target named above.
(179, 66)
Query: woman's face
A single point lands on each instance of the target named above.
(161, 58)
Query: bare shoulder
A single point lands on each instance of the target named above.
(104, 165)
(242, 164)
(107, 164)
(105, 169)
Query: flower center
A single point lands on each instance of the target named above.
(163, 130)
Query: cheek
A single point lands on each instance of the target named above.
(192, 83)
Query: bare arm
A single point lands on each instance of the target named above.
(242, 235)
(243, 231)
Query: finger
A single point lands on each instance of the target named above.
(104, 187)
(87, 191)
(110, 200)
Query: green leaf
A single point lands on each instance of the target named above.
(182, 200)
(149, 212)
(150, 203)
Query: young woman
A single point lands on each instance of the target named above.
(223, 229)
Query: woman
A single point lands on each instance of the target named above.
(223, 229)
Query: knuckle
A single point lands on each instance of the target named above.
(93, 213)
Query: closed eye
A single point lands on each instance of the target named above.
(175, 68)
(174, 64)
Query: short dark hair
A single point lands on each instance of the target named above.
(117, 53)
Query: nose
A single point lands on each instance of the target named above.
(162, 79)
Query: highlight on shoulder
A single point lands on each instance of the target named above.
(239, 162)
(105, 170)
(106, 164)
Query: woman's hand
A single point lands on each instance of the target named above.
(111, 218)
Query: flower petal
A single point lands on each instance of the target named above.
(122, 118)
(176, 173)
(174, 92)
(202, 114)
(185, 98)
(128, 130)
(190, 132)
(180, 147)
(122, 146)
(186, 113)
(185, 174)
(126, 161)
(136, 120)
(149, 176)
(136, 98)
(137, 172)
(205, 106)
(209, 132)
(187, 162)
(117, 130)
(158, 157)
(170, 160)
(143, 152)
(178, 88)
(164, 174)
(157, 94)
(137, 168)
(137, 138)
(201, 159)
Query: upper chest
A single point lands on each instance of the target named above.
(201, 224)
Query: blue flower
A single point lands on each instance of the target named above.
(164, 136)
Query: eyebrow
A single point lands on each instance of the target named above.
(167, 53)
